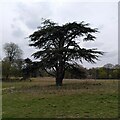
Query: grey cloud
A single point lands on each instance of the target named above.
(32, 24)
(17, 32)
(100, 27)
(12, 26)
(27, 16)
(118, 60)
(111, 54)
(31, 14)
(109, 57)
(93, 44)
(88, 11)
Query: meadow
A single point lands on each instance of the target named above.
(75, 99)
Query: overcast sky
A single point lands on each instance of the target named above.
(20, 18)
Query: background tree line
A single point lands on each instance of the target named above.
(13, 66)
(108, 71)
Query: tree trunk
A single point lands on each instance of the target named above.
(58, 81)
(60, 75)
(8, 72)
(7, 77)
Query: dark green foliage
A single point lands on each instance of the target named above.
(26, 69)
(5, 69)
(75, 71)
(104, 73)
(11, 69)
(58, 46)
(30, 69)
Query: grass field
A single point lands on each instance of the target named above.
(75, 99)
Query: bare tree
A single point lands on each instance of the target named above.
(13, 53)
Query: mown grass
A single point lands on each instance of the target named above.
(75, 99)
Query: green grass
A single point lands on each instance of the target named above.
(75, 99)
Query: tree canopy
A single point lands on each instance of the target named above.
(13, 59)
(12, 51)
(59, 46)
